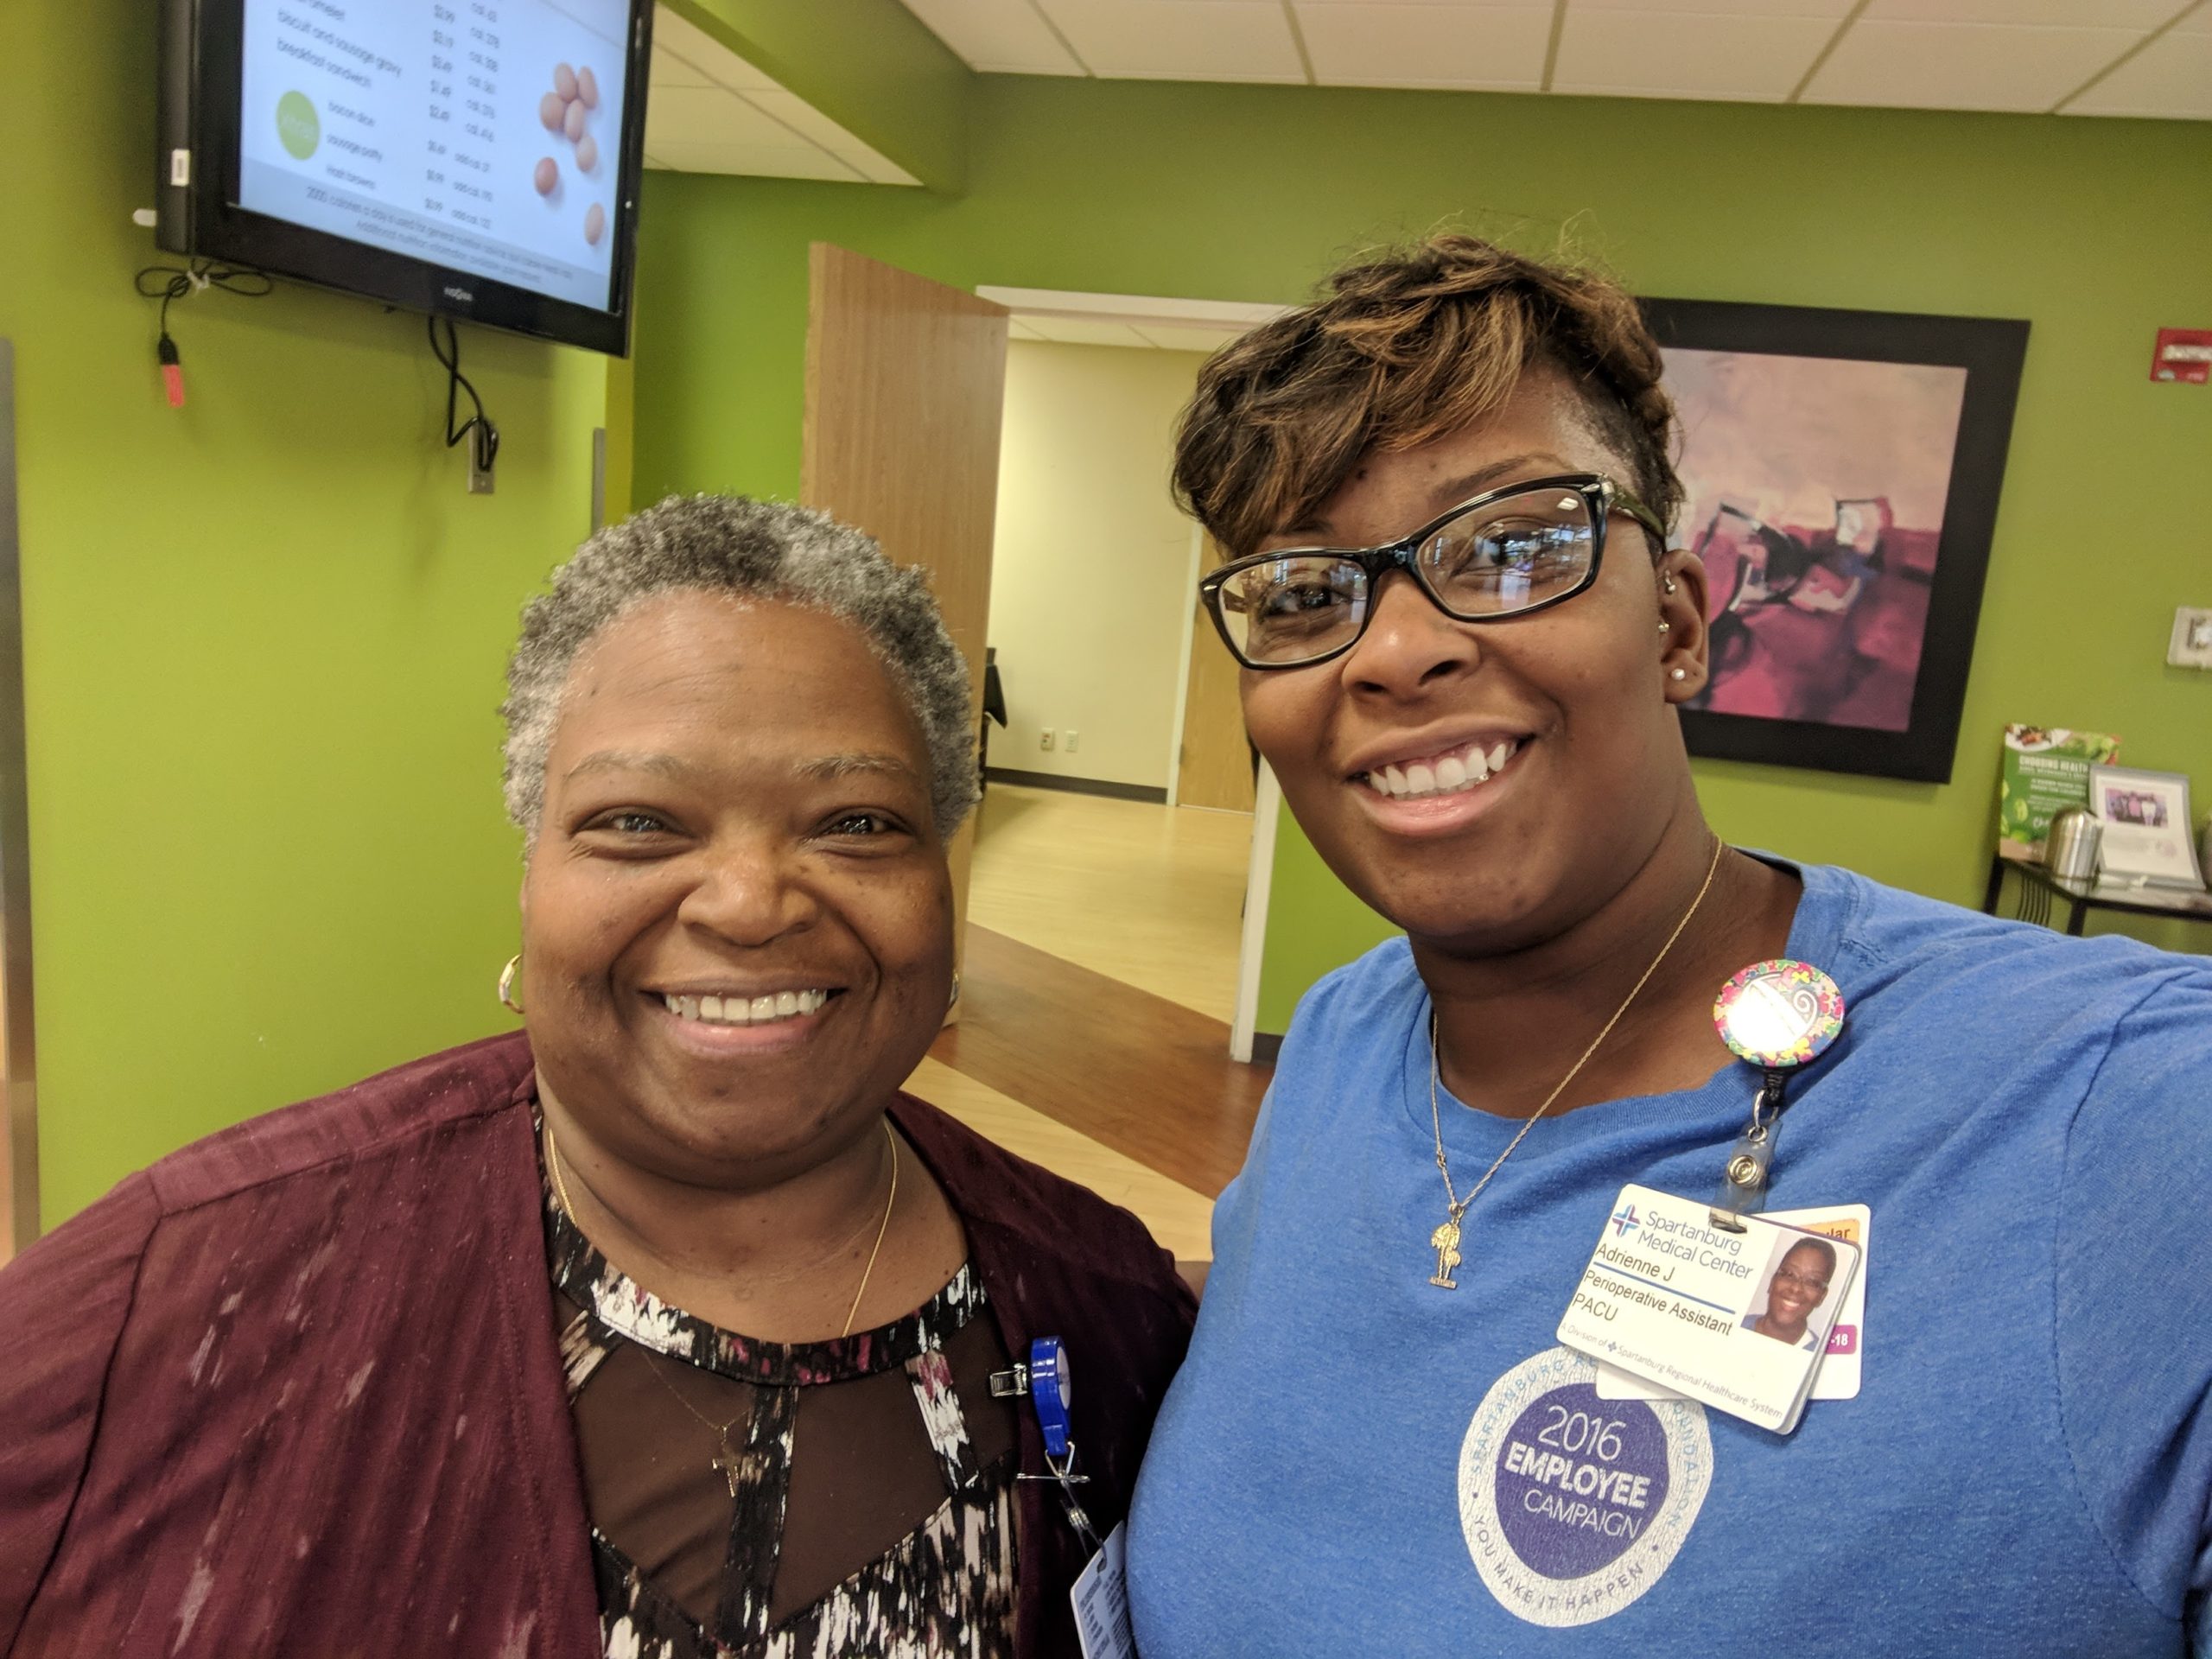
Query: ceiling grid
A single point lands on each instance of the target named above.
(2145, 58)
(711, 111)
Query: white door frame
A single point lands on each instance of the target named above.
(1259, 880)
(1149, 323)
(1183, 666)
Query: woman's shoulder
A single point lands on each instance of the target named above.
(390, 1110)
(409, 1107)
(1347, 1002)
(1889, 938)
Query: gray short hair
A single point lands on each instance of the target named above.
(752, 549)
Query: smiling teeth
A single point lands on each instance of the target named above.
(738, 1011)
(1461, 769)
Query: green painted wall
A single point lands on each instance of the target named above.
(2096, 230)
(263, 639)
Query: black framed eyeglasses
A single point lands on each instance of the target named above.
(1505, 553)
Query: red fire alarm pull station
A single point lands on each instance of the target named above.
(2184, 355)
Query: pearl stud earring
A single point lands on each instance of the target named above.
(1665, 627)
(1678, 674)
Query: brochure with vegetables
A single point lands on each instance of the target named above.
(2046, 771)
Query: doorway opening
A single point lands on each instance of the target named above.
(1127, 825)
(1111, 926)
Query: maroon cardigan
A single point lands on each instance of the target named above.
(297, 1390)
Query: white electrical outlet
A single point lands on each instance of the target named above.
(2192, 645)
(1070, 745)
(1045, 740)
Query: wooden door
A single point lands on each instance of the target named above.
(906, 379)
(1214, 766)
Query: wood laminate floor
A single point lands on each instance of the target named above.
(1153, 896)
(1100, 969)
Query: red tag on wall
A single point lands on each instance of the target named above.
(2182, 355)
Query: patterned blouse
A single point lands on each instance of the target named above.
(757, 1500)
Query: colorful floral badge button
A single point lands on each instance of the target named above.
(1780, 1012)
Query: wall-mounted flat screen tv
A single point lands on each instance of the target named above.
(475, 159)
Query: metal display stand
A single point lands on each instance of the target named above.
(2039, 887)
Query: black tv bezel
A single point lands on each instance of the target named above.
(197, 214)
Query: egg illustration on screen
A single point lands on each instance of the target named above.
(566, 112)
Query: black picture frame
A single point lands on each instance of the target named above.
(1991, 350)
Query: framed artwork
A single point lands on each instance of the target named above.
(1842, 470)
(2146, 837)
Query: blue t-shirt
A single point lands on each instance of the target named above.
(1354, 1462)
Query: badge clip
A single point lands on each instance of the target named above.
(1744, 1177)
(1047, 1380)
(1778, 1016)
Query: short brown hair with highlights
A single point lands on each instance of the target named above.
(1401, 349)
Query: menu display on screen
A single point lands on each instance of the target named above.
(482, 136)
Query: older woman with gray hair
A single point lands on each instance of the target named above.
(666, 1327)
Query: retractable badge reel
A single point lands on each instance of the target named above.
(1051, 1388)
(1778, 1016)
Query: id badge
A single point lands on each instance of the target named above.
(1102, 1602)
(1837, 1375)
(1737, 1320)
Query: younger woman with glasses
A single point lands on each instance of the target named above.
(1794, 1293)
(1446, 492)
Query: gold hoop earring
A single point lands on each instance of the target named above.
(507, 982)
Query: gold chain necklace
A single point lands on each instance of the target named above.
(727, 1462)
(1445, 1240)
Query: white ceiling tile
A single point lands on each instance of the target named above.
(802, 117)
(1071, 331)
(1403, 45)
(703, 52)
(757, 161)
(1962, 66)
(709, 115)
(1006, 36)
(2196, 21)
(1018, 329)
(875, 167)
(669, 70)
(1173, 337)
(1180, 40)
(1687, 56)
(810, 123)
(1831, 9)
(2171, 77)
(2078, 13)
(1139, 308)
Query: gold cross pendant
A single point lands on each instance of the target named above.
(1445, 1240)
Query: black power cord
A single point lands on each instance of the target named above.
(486, 447)
(171, 282)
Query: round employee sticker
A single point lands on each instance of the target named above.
(1574, 1506)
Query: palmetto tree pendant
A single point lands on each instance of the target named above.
(1445, 1240)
